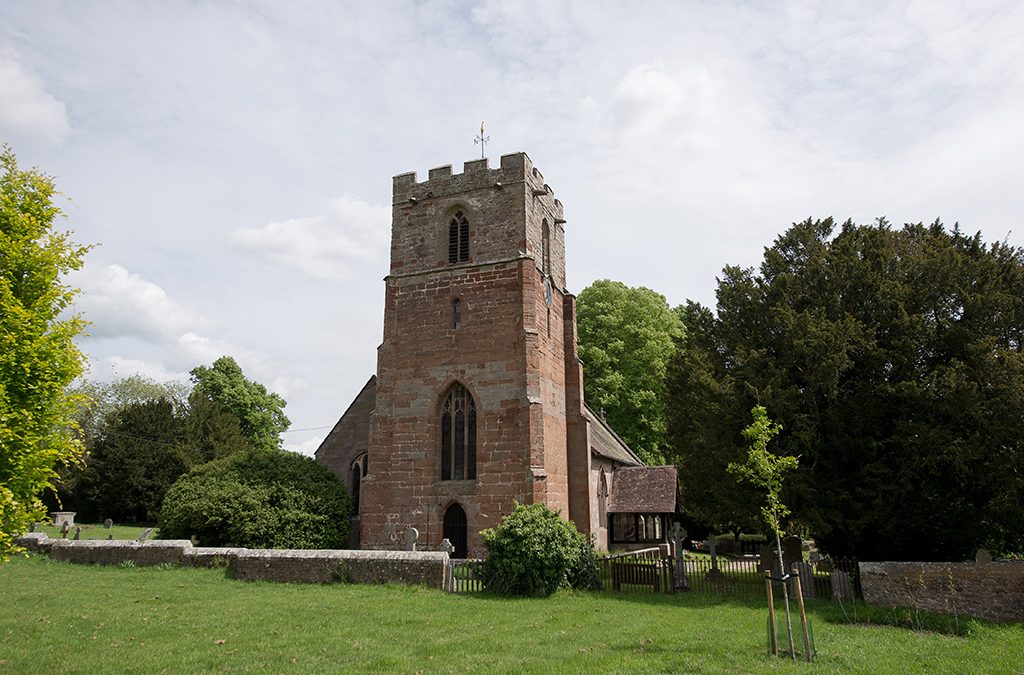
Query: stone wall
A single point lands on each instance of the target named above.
(987, 590)
(317, 567)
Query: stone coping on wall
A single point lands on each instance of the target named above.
(288, 565)
(986, 590)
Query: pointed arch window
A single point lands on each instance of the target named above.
(458, 435)
(458, 238)
(358, 474)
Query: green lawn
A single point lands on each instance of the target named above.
(97, 531)
(65, 618)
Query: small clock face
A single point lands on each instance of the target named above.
(549, 294)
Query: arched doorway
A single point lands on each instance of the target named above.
(455, 530)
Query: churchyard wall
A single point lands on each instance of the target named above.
(986, 590)
(300, 566)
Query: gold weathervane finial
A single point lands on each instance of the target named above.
(481, 140)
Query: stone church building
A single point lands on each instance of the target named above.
(478, 397)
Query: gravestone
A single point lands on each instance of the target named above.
(806, 573)
(108, 523)
(983, 556)
(792, 551)
(78, 532)
(410, 537)
(677, 535)
(145, 534)
(769, 560)
(64, 530)
(447, 547)
(61, 517)
(714, 574)
(842, 589)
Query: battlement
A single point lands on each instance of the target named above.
(514, 169)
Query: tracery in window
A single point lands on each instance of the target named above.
(458, 435)
(458, 238)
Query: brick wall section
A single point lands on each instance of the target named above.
(993, 590)
(324, 567)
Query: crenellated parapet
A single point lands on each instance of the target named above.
(515, 172)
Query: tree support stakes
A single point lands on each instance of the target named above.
(803, 612)
(773, 638)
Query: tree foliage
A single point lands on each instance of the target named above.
(534, 551)
(894, 359)
(765, 470)
(38, 356)
(626, 339)
(258, 499)
(260, 413)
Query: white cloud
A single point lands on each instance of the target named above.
(123, 304)
(306, 447)
(26, 108)
(323, 246)
(113, 367)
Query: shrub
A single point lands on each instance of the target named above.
(535, 552)
(258, 499)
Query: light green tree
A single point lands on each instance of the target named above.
(626, 338)
(260, 413)
(38, 355)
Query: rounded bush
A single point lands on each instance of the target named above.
(258, 499)
(535, 552)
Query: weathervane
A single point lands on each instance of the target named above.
(481, 140)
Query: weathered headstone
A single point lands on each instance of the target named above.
(410, 537)
(108, 523)
(677, 536)
(983, 556)
(78, 532)
(144, 535)
(110, 537)
(64, 530)
(61, 517)
(447, 547)
(792, 551)
(712, 545)
(842, 589)
(806, 573)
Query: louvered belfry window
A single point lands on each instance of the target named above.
(458, 435)
(458, 238)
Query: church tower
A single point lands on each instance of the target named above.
(478, 388)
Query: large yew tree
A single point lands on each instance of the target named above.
(893, 359)
(38, 356)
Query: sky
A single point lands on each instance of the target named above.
(232, 160)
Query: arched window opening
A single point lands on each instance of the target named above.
(458, 435)
(358, 473)
(456, 313)
(455, 530)
(546, 247)
(458, 238)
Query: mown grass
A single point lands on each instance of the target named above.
(97, 531)
(66, 618)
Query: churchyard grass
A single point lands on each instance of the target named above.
(67, 618)
(97, 531)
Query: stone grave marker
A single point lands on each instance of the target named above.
(64, 528)
(410, 537)
(447, 547)
(806, 573)
(983, 556)
(792, 551)
(145, 534)
(78, 532)
(677, 535)
(107, 524)
(714, 574)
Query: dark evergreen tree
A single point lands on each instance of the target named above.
(893, 359)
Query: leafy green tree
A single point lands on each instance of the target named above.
(258, 499)
(626, 339)
(211, 432)
(894, 359)
(38, 356)
(260, 413)
(137, 455)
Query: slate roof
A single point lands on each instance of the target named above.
(643, 489)
(606, 443)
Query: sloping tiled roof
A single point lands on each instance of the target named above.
(606, 443)
(643, 489)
